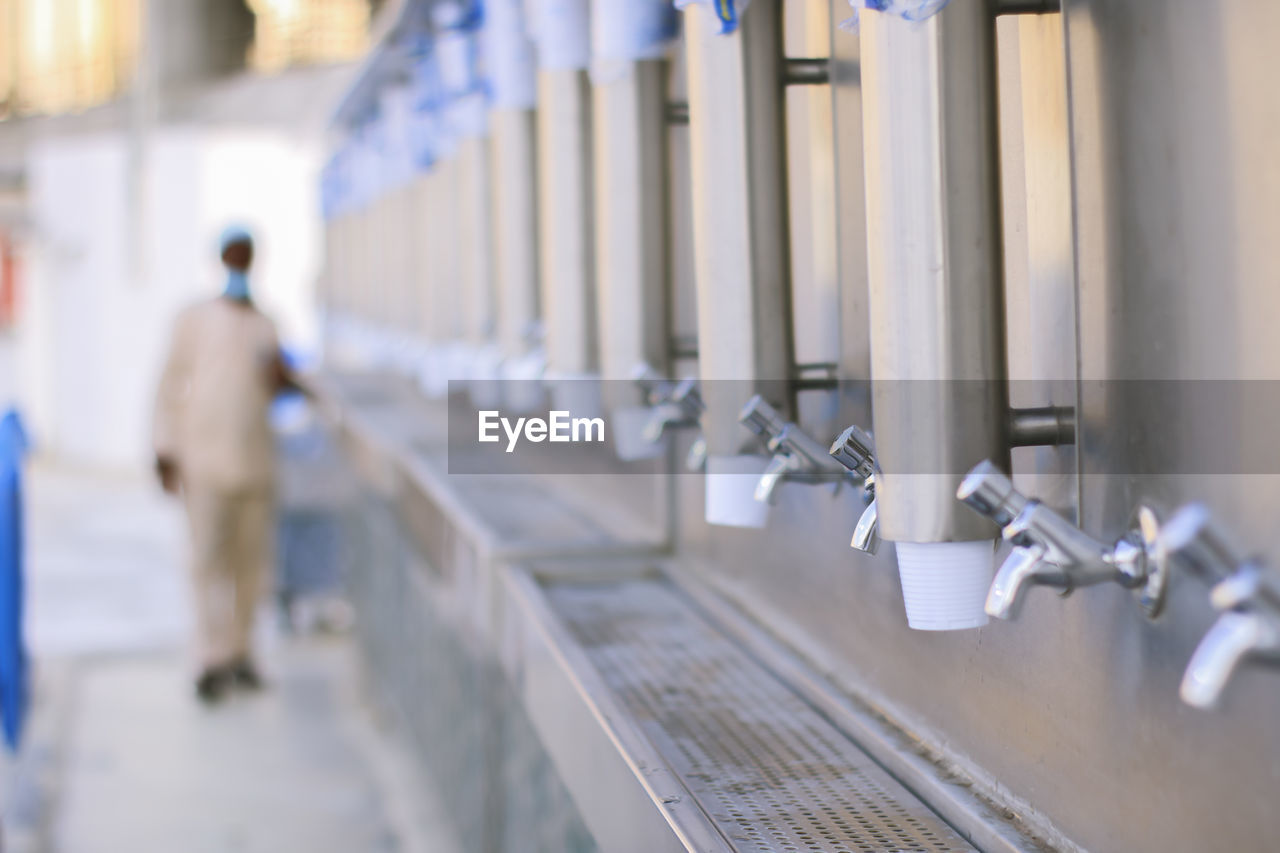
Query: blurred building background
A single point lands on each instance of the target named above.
(131, 132)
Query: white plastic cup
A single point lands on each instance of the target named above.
(486, 391)
(628, 424)
(731, 488)
(523, 392)
(945, 584)
(576, 393)
(433, 373)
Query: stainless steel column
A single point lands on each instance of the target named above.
(476, 242)
(515, 227)
(447, 257)
(934, 256)
(383, 246)
(424, 258)
(509, 58)
(404, 231)
(366, 261)
(565, 220)
(631, 205)
(739, 215)
(515, 224)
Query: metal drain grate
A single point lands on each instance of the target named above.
(768, 769)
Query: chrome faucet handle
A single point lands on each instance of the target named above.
(796, 455)
(679, 407)
(644, 373)
(855, 450)
(1051, 551)
(1192, 535)
(685, 394)
(654, 387)
(762, 419)
(988, 491)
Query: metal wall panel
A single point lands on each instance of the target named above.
(740, 229)
(632, 204)
(1040, 292)
(1140, 195)
(1074, 708)
(476, 244)
(515, 227)
(566, 221)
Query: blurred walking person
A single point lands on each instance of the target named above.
(214, 445)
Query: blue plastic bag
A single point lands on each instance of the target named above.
(727, 12)
(910, 10)
(14, 689)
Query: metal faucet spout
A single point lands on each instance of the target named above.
(1051, 551)
(1235, 636)
(855, 450)
(866, 535)
(774, 473)
(674, 404)
(1021, 570)
(664, 416)
(797, 457)
(1247, 595)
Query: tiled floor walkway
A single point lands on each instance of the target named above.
(120, 757)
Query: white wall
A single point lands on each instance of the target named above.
(102, 294)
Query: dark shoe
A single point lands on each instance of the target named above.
(212, 685)
(244, 674)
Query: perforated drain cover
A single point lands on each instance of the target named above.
(765, 767)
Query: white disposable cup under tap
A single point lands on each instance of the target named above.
(628, 424)
(731, 486)
(945, 584)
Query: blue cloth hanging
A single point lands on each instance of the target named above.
(14, 689)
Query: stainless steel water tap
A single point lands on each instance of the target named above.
(677, 404)
(1247, 595)
(796, 456)
(855, 450)
(655, 387)
(1049, 550)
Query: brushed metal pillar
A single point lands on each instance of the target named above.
(940, 399)
(424, 253)
(565, 220)
(367, 261)
(355, 274)
(370, 215)
(514, 227)
(384, 246)
(383, 240)
(338, 303)
(851, 207)
(446, 225)
(741, 249)
(632, 260)
(340, 283)
(476, 239)
(405, 225)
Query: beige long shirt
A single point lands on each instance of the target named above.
(215, 394)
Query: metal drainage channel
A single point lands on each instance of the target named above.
(765, 767)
